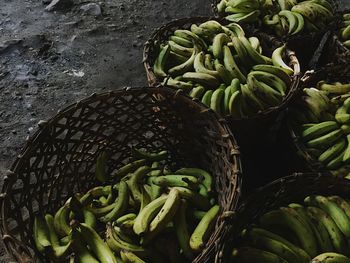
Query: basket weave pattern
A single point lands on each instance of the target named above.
(60, 158)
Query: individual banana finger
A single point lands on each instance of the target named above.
(201, 233)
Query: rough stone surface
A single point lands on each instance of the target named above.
(59, 5)
(91, 9)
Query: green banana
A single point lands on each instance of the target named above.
(101, 211)
(235, 28)
(248, 255)
(96, 244)
(206, 178)
(177, 58)
(159, 64)
(325, 140)
(208, 62)
(207, 97)
(270, 245)
(341, 203)
(291, 18)
(251, 99)
(216, 101)
(264, 91)
(244, 18)
(300, 23)
(337, 238)
(243, 58)
(218, 42)
(203, 229)
(320, 232)
(128, 168)
(271, 80)
(235, 104)
(231, 65)
(181, 41)
(120, 205)
(336, 162)
(255, 43)
(81, 252)
(275, 71)
(177, 84)
(116, 244)
(334, 89)
(224, 74)
(184, 51)
(181, 229)
(302, 255)
(184, 67)
(164, 216)
(333, 151)
(333, 210)
(196, 199)
(125, 218)
(147, 214)
(200, 67)
(202, 78)
(41, 234)
(212, 25)
(187, 34)
(284, 218)
(252, 53)
(197, 93)
(277, 60)
(330, 257)
(228, 93)
(271, 20)
(346, 156)
(61, 221)
(100, 170)
(176, 180)
(319, 129)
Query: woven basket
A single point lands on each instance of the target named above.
(290, 189)
(331, 73)
(60, 158)
(262, 121)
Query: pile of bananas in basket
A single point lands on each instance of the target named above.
(344, 33)
(150, 215)
(224, 69)
(317, 231)
(322, 119)
(284, 17)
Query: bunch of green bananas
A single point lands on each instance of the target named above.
(149, 214)
(284, 17)
(344, 33)
(317, 231)
(240, 11)
(322, 119)
(224, 69)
